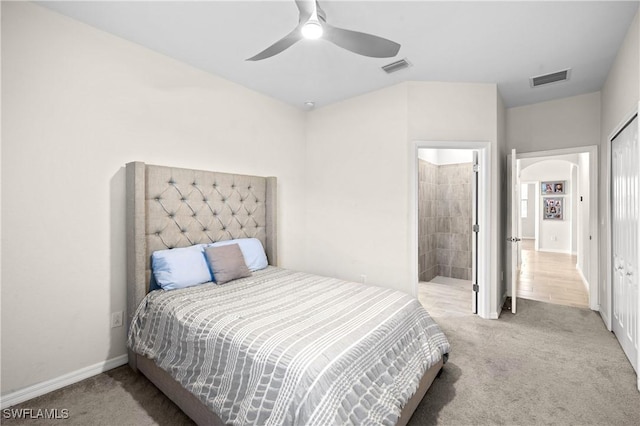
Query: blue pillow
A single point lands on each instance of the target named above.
(252, 250)
(180, 267)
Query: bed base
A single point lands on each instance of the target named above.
(202, 416)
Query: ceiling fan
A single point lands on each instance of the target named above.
(312, 24)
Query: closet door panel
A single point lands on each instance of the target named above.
(625, 210)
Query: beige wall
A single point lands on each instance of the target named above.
(620, 96)
(567, 123)
(77, 105)
(357, 189)
(584, 216)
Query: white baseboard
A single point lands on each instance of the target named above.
(42, 388)
(584, 280)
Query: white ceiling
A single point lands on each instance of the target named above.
(491, 42)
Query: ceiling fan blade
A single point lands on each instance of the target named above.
(279, 46)
(360, 43)
(305, 7)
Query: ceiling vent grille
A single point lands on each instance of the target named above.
(396, 66)
(550, 78)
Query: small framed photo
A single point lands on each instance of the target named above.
(552, 187)
(553, 208)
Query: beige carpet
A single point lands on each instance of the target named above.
(548, 364)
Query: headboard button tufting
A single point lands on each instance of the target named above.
(159, 197)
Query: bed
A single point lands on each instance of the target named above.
(276, 347)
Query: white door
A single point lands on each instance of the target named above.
(625, 164)
(474, 233)
(513, 219)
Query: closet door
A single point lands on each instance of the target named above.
(624, 237)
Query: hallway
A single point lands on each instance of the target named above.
(550, 277)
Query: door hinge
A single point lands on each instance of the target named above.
(476, 168)
(476, 287)
(476, 228)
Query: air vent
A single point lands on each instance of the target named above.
(396, 66)
(550, 78)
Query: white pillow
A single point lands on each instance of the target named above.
(252, 250)
(180, 267)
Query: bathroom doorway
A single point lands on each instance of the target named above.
(451, 203)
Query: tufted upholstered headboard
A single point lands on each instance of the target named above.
(169, 207)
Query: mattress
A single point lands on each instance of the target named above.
(286, 347)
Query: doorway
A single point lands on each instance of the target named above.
(450, 231)
(447, 186)
(557, 248)
(552, 229)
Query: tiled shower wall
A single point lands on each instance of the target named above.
(444, 210)
(427, 220)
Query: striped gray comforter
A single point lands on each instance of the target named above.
(289, 348)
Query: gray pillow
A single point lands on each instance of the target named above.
(226, 263)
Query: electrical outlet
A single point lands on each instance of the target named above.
(116, 319)
(363, 278)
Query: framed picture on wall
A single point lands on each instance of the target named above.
(553, 208)
(552, 187)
